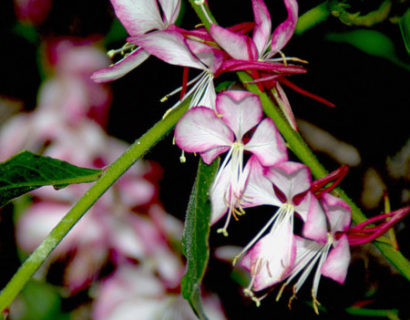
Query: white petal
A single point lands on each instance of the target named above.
(337, 262)
(122, 67)
(171, 10)
(240, 110)
(169, 46)
(238, 46)
(262, 30)
(276, 253)
(267, 144)
(315, 224)
(259, 190)
(338, 213)
(218, 193)
(291, 178)
(138, 16)
(200, 130)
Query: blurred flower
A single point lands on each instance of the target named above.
(134, 293)
(32, 11)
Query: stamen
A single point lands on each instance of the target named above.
(260, 233)
(182, 158)
(283, 58)
(293, 297)
(250, 294)
(125, 47)
(223, 231)
(316, 303)
(168, 95)
(280, 291)
(255, 268)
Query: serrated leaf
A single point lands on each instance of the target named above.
(196, 234)
(27, 171)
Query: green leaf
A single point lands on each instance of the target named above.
(404, 24)
(196, 234)
(116, 33)
(27, 171)
(41, 301)
(371, 42)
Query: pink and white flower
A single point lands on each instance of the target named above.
(332, 258)
(263, 45)
(271, 255)
(211, 134)
(138, 18)
(175, 46)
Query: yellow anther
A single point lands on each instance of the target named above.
(223, 231)
(182, 158)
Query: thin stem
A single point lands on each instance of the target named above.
(203, 12)
(114, 171)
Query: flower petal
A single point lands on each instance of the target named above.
(284, 31)
(315, 224)
(337, 262)
(240, 110)
(217, 194)
(169, 46)
(262, 30)
(122, 67)
(138, 16)
(272, 256)
(291, 178)
(171, 10)
(267, 144)
(338, 213)
(209, 56)
(258, 190)
(200, 130)
(238, 46)
(210, 155)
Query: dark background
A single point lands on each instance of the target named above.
(371, 95)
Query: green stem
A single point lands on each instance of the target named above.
(114, 171)
(312, 17)
(203, 13)
(303, 152)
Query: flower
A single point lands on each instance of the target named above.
(256, 54)
(286, 185)
(178, 47)
(211, 134)
(138, 17)
(332, 257)
(263, 46)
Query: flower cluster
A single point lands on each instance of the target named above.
(256, 172)
(214, 52)
(237, 128)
